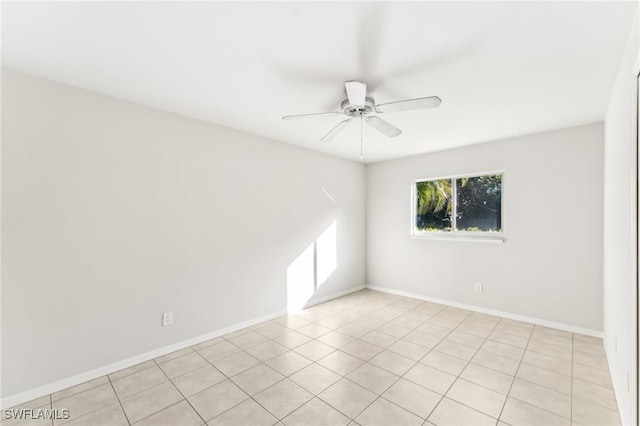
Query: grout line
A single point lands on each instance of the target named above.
(119, 402)
(515, 375)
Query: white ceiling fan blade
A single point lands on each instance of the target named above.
(409, 104)
(356, 92)
(383, 127)
(289, 117)
(339, 127)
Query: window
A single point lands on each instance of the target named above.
(464, 206)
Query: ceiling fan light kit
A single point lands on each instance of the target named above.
(359, 105)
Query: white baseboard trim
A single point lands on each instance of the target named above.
(26, 396)
(509, 315)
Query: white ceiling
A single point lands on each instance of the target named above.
(501, 68)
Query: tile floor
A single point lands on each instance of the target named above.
(368, 358)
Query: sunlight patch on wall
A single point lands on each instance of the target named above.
(312, 268)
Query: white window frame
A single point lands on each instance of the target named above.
(497, 237)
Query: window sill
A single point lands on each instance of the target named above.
(463, 237)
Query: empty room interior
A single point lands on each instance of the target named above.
(319, 213)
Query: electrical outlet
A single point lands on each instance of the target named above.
(167, 319)
(478, 287)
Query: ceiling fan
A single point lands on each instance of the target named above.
(359, 105)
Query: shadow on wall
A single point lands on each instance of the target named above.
(312, 268)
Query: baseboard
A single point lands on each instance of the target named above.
(59, 385)
(537, 321)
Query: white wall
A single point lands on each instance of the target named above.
(549, 268)
(114, 213)
(619, 242)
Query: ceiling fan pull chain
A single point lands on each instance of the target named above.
(361, 131)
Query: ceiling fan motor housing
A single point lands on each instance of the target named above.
(355, 110)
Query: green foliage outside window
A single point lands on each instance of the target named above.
(476, 206)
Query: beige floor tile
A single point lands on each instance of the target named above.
(138, 382)
(590, 348)
(592, 375)
(474, 330)
(379, 338)
(383, 412)
(594, 394)
(313, 330)
(283, 398)
(434, 330)
(363, 350)
(444, 322)
(564, 342)
(408, 349)
(541, 397)
(465, 339)
(266, 350)
(554, 331)
(314, 350)
(182, 365)
(336, 339)
(292, 339)
(273, 330)
(133, 369)
(217, 399)
(79, 388)
(257, 379)
(178, 414)
(219, 351)
(173, 355)
(519, 413)
(547, 362)
(496, 362)
(372, 378)
(483, 376)
(452, 413)
(150, 401)
(478, 397)
(235, 364)
(412, 397)
(482, 320)
(246, 413)
(198, 380)
(395, 330)
(585, 338)
(44, 401)
(590, 360)
(315, 378)
(546, 378)
(293, 323)
(86, 402)
(587, 413)
(111, 415)
(247, 340)
(208, 343)
(354, 330)
(514, 330)
(340, 362)
(392, 362)
(406, 322)
(422, 339)
(509, 339)
(456, 349)
(316, 413)
(503, 350)
(347, 397)
(444, 362)
(551, 350)
(288, 363)
(430, 378)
